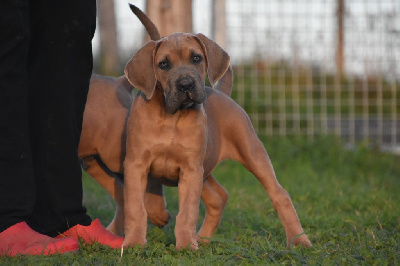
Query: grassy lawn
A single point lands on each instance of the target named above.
(348, 202)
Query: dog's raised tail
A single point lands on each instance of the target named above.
(147, 23)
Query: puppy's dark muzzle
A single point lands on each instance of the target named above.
(185, 84)
(185, 91)
(188, 86)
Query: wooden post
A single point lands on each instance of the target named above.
(340, 37)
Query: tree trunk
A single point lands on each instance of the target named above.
(219, 22)
(170, 16)
(108, 37)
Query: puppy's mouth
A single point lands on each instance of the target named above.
(182, 101)
(185, 94)
(186, 104)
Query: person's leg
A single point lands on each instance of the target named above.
(60, 65)
(17, 194)
(17, 190)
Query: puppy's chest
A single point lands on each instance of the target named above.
(169, 159)
(173, 149)
(172, 143)
(165, 165)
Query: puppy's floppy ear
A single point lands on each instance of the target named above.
(217, 59)
(140, 72)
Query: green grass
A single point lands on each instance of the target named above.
(348, 202)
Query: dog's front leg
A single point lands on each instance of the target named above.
(135, 212)
(190, 187)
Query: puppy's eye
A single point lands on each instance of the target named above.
(196, 59)
(164, 65)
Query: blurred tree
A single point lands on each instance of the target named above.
(218, 28)
(109, 56)
(170, 16)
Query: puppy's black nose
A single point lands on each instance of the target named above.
(185, 84)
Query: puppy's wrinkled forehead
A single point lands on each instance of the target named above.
(178, 46)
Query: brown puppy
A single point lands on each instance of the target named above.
(103, 139)
(178, 131)
(102, 146)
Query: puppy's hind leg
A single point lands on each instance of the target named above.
(250, 151)
(155, 203)
(113, 187)
(214, 197)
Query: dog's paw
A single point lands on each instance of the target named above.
(203, 239)
(186, 240)
(134, 242)
(159, 219)
(192, 245)
(299, 240)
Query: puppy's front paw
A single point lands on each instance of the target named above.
(192, 245)
(185, 241)
(133, 242)
(299, 240)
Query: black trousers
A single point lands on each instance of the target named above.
(45, 66)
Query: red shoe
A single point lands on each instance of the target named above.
(21, 239)
(92, 233)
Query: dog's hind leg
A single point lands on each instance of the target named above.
(155, 203)
(249, 150)
(113, 187)
(214, 197)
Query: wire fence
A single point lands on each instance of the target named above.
(287, 76)
(284, 56)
